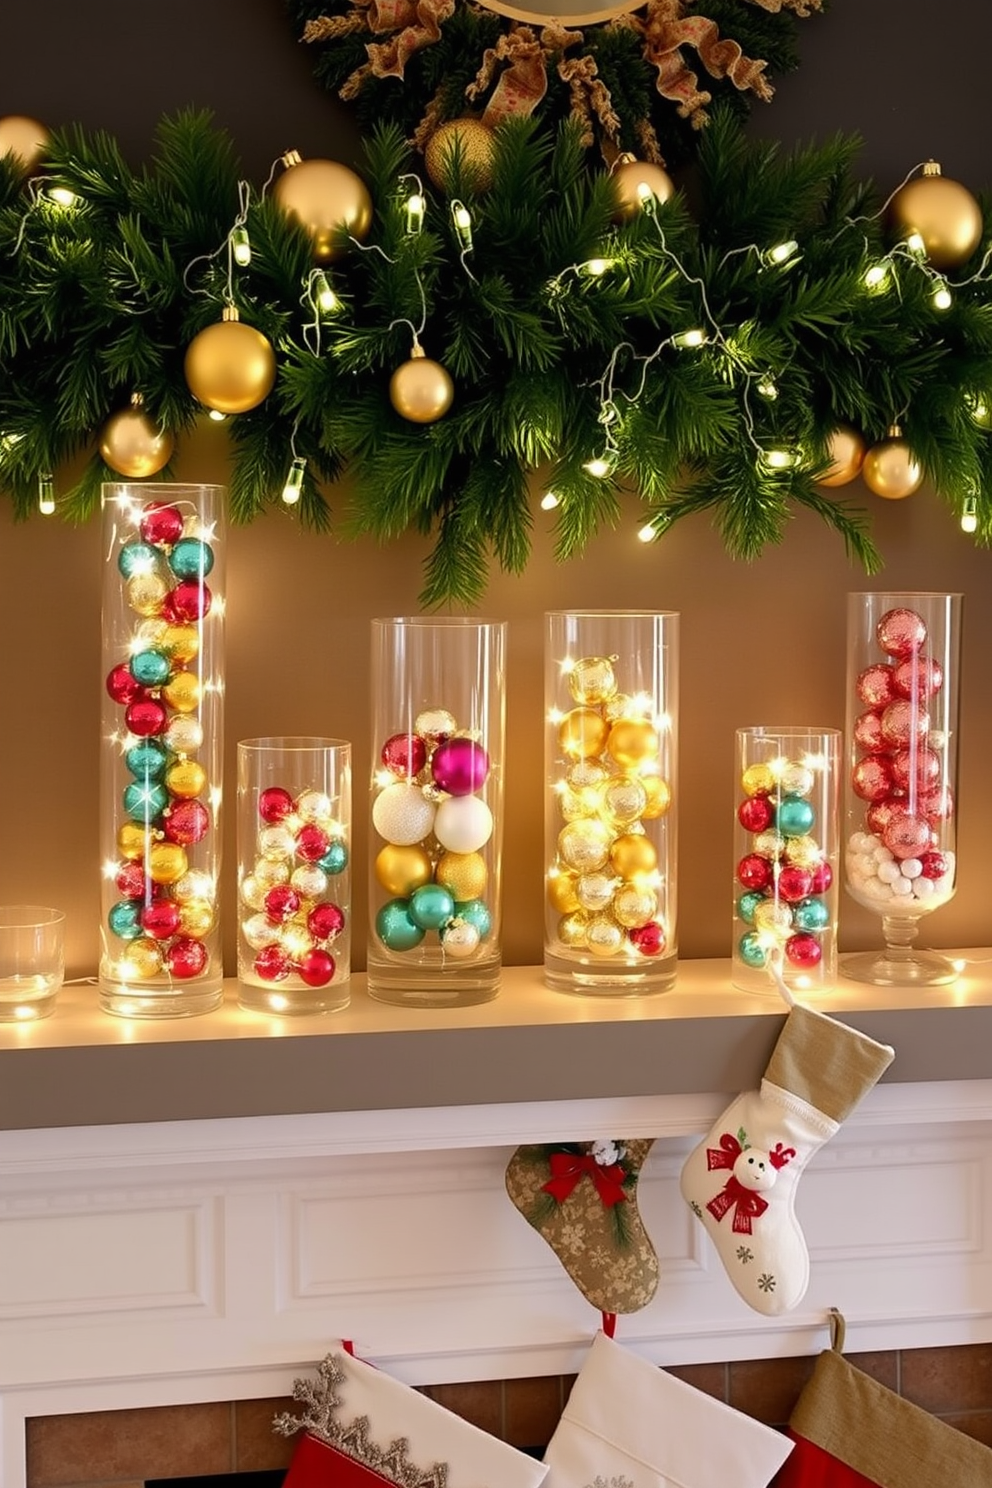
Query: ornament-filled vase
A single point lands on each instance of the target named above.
(902, 748)
(786, 852)
(438, 732)
(294, 878)
(611, 701)
(161, 748)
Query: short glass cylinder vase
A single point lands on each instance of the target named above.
(161, 749)
(294, 874)
(786, 856)
(438, 740)
(903, 663)
(611, 706)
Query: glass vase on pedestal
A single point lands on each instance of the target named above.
(902, 747)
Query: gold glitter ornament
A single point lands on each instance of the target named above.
(572, 930)
(276, 843)
(196, 918)
(631, 741)
(561, 892)
(146, 593)
(464, 875)
(634, 906)
(633, 854)
(400, 870)
(167, 861)
(272, 871)
(604, 937)
(592, 680)
(467, 141)
(772, 915)
(309, 881)
(193, 885)
(581, 733)
(805, 852)
(594, 891)
(585, 774)
(435, 723)
(141, 960)
(796, 779)
(181, 642)
(182, 692)
(252, 892)
(186, 779)
(585, 845)
(758, 780)
(132, 841)
(623, 800)
(327, 199)
(769, 844)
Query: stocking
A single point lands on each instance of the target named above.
(741, 1181)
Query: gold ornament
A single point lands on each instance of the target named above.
(585, 845)
(133, 445)
(634, 906)
(572, 930)
(229, 366)
(327, 199)
(581, 733)
(467, 141)
(943, 212)
(181, 642)
(196, 918)
(421, 390)
(141, 960)
(592, 680)
(594, 891)
(146, 593)
(400, 870)
(604, 937)
(464, 875)
(659, 794)
(132, 841)
(637, 183)
(167, 862)
(633, 854)
(624, 800)
(846, 449)
(632, 741)
(182, 692)
(23, 138)
(889, 468)
(562, 894)
(186, 778)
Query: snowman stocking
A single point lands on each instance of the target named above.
(741, 1181)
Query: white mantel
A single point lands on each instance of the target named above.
(188, 1248)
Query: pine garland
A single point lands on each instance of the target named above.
(554, 365)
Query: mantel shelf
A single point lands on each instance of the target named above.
(83, 1067)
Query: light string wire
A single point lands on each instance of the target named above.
(226, 248)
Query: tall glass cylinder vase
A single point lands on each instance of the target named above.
(611, 704)
(161, 748)
(786, 850)
(294, 877)
(438, 732)
(903, 655)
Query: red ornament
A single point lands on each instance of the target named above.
(161, 524)
(274, 803)
(123, 686)
(186, 822)
(404, 755)
(937, 805)
(876, 686)
(823, 877)
(901, 633)
(131, 881)
(881, 813)
(868, 732)
(903, 722)
(145, 717)
(272, 963)
(186, 957)
(649, 939)
(189, 600)
(754, 871)
(160, 919)
(918, 677)
(804, 951)
(934, 864)
(281, 902)
(325, 921)
(907, 836)
(755, 813)
(871, 777)
(916, 767)
(312, 843)
(794, 883)
(317, 967)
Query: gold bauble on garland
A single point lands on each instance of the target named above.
(421, 390)
(638, 182)
(846, 449)
(943, 212)
(230, 367)
(133, 445)
(466, 140)
(23, 138)
(889, 468)
(327, 199)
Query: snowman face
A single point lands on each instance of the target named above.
(754, 1171)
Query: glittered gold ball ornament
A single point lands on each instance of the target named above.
(167, 862)
(639, 183)
(141, 960)
(592, 680)
(183, 692)
(944, 214)
(133, 445)
(846, 449)
(584, 846)
(421, 390)
(604, 936)
(889, 468)
(230, 367)
(24, 138)
(572, 930)
(464, 875)
(327, 199)
(464, 147)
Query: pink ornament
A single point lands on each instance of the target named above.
(755, 813)
(937, 805)
(161, 919)
(131, 881)
(918, 677)
(794, 883)
(754, 871)
(274, 803)
(325, 921)
(917, 769)
(404, 755)
(459, 766)
(123, 686)
(868, 732)
(871, 777)
(649, 939)
(881, 813)
(311, 843)
(186, 957)
(875, 686)
(281, 902)
(907, 836)
(272, 963)
(900, 633)
(186, 822)
(804, 951)
(823, 877)
(903, 723)
(145, 717)
(161, 524)
(934, 864)
(316, 967)
(189, 600)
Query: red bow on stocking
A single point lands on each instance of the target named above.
(746, 1204)
(568, 1167)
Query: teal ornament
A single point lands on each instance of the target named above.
(431, 906)
(150, 668)
(335, 859)
(123, 918)
(145, 800)
(811, 915)
(476, 912)
(191, 558)
(747, 904)
(395, 928)
(752, 952)
(146, 760)
(137, 558)
(794, 816)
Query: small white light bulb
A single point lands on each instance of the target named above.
(916, 245)
(646, 533)
(767, 388)
(216, 415)
(549, 501)
(294, 482)
(415, 209)
(241, 245)
(62, 196)
(46, 494)
(876, 277)
(942, 297)
(969, 514)
(691, 338)
(462, 218)
(783, 252)
(599, 466)
(327, 301)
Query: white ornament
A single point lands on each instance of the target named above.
(184, 734)
(459, 939)
(194, 885)
(259, 931)
(252, 892)
(314, 806)
(463, 824)
(269, 872)
(276, 843)
(309, 880)
(402, 814)
(797, 779)
(435, 723)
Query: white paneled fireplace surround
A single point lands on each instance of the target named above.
(197, 1210)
